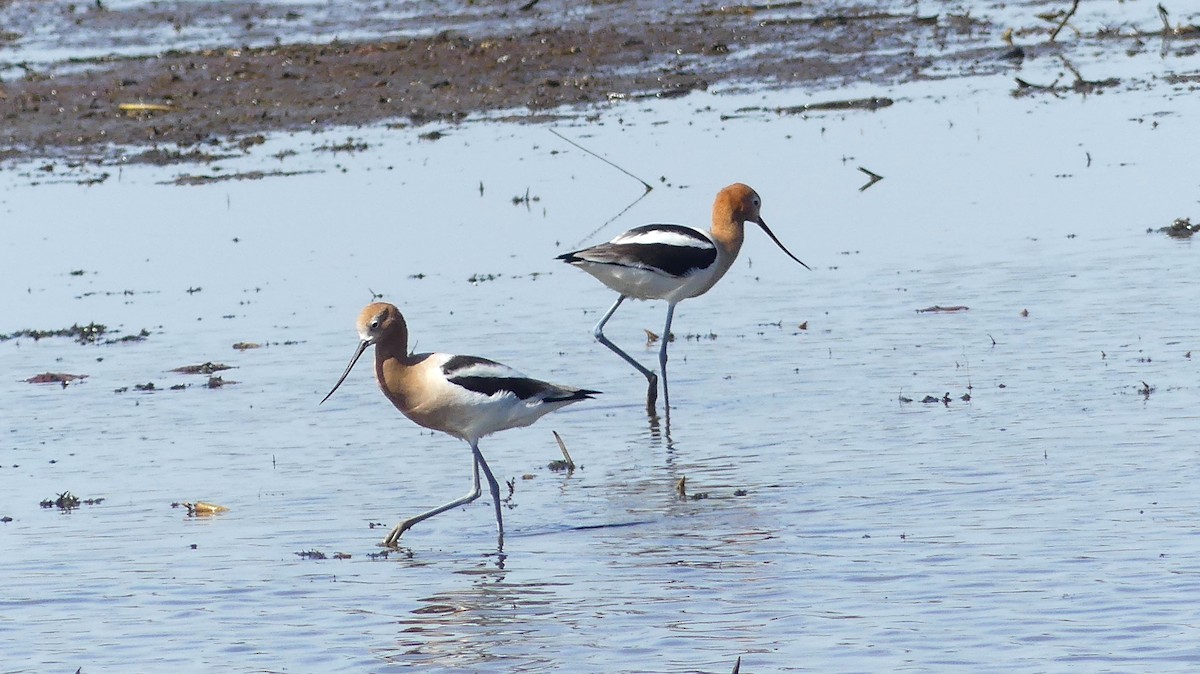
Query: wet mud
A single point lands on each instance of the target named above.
(452, 62)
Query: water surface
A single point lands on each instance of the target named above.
(1047, 524)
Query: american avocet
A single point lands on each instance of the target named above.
(672, 263)
(463, 396)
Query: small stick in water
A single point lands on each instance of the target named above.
(563, 446)
(645, 184)
(1065, 19)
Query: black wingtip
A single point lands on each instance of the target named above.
(569, 258)
(581, 394)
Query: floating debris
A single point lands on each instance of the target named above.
(242, 346)
(248, 175)
(874, 178)
(218, 382)
(681, 490)
(55, 378)
(873, 103)
(525, 199)
(67, 501)
(937, 308)
(84, 334)
(1080, 85)
(143, 109)
(203, 368)
(567, 464)
(139, 337)
(1182, 228)
(348, 145)
(945, 398)
(652, 337)
(201, 508)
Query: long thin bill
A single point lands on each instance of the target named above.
(780, 244)
(362, 346)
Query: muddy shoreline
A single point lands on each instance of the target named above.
(198, 105)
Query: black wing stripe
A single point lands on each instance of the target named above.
(672, 260)
(521, 387)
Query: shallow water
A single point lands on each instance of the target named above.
(1048, 524)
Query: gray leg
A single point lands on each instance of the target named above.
(394, 537)
(662, 355)
(493, 486)
(651, 378)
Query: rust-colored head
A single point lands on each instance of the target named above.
(380, 324)
(738, 203)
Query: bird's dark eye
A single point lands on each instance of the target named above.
(374, 324)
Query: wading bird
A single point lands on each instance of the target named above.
(463, 396)
(672, 263)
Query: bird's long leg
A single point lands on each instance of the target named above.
(662, 356)
(495, 489)
(394, 537)
(651, 378)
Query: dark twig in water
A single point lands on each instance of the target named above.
(1080, 85)
(1066, 17)
(604, 224)
(645, 184)
(875, 177)
(1074, 71)
(873, 103)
